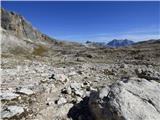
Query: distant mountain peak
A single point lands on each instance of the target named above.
(113, 43)
(120, 42)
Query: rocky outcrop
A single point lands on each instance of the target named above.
(17, 25)
(134, 99)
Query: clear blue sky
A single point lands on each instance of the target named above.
(94, 21)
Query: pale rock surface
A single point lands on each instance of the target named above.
(25, 91)
(134, 99)
(61, 101)
(12, 111)
(7, 95)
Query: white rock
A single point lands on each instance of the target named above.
(44, 80)
(61, 77)
(75, 86)
(134, 99)
(11, 111)
(78, 99)
(67, 90)
(61, 100)
(7, 95)
(25, 91)
(72, 73)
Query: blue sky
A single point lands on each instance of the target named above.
(94, 21)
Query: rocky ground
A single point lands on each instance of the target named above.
(70, 81)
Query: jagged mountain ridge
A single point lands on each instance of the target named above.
(19, 37)
(20, 27)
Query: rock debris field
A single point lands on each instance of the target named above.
(46, 79)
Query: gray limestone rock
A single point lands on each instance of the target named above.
(134, 99)
(12, 111)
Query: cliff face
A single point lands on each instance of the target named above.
(17, 25)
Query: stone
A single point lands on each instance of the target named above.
(109, 71)
(44, 81)
(7, 95)
(133, 99)
(75, 86)
(61, 78)
(12, 111)
(124, 66)
(66, 90)
(86, 84)
(61, 101)
(80, 59)
(44, 74)
(78, 99)
(24, 91)
(79, 93)
(77, 89)
(148, 74)
(72, 73)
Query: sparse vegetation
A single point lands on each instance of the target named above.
(40, 50)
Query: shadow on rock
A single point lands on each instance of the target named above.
(80, 111)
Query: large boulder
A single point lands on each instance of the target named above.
(133, 99)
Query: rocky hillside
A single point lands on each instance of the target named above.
(47, 79)
(17, 25)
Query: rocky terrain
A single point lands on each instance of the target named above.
(47, 79)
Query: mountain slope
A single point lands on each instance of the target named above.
(20, 27)
(19, 37)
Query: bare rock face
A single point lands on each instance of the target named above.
(17, 25)
(134, 99)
